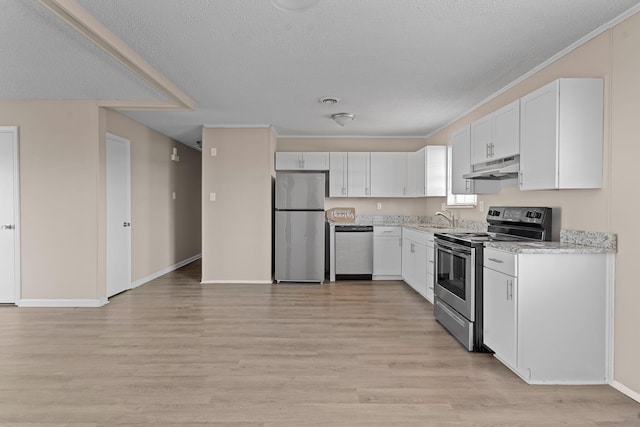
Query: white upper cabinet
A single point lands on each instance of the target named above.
(338, 174)
(388, 174)
(461, 161)
(561, 137)
(427, 172)
(358, 175)
(435, 175)
(302, 161)
(349, 174)
(496, 135)
(415, 174)
(461, 165)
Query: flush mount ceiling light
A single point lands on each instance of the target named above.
(329, 100)
(293, 5)
(343, 118)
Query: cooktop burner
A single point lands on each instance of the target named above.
(483, 237)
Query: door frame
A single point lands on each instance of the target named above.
(126, 142)
(13, 130)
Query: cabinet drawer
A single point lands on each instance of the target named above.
(390, 231)
(504, 262)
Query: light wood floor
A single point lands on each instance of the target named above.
(174, 352)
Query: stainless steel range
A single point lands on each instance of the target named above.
(458, 267)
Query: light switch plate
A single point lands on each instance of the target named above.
(379, 205)
(212, 197)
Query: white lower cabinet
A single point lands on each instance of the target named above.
(547, 316)
(414, 260)
(387, 253)
(430, 266)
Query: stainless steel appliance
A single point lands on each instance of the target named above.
(458, 267)
(354, 252)
(299, 227)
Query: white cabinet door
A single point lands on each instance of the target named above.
(358, 175)
(415, 173)
(420, 255)
(461, 161)
(496, 135)
(499, 311)
(561, 137)
(388, 174)
(338, 174)
(296, 160)
(408, 262)
(288, 161)
(481, 136)
(435, 176)
(315, 161)
(506, 131)
(387, 251)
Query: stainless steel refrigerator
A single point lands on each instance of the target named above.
(299, 227)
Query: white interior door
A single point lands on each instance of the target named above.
(9, 215)
(118, 215)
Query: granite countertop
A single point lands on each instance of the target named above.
(571, 242)
(547, 248)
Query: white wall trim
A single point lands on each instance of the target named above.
(164, 271)
(236, 282)
(626, 390)
(61, 303)
(237, 126)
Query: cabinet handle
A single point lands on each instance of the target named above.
(520, 178)
(509, 290)
(499, 261)
(344, 191)
(366, 191)
(467, 185)
(487, 151)
(492, 149)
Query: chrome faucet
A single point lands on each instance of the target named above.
(451, 219)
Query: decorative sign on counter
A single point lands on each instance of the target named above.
(347, 215)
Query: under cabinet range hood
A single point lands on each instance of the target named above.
(506, 168)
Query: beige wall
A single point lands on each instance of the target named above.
(614, 56)
(59, 203)
(237, 226)
(164, 231)
(624, 205)
(63, 205)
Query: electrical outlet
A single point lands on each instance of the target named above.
(212, 197)
(173, 195)
(214, 151)
(379, 205)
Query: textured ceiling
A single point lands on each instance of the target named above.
(403, 67)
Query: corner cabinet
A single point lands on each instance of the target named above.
(496, 135)
(561, 136)
(301, 161)
(547, 316)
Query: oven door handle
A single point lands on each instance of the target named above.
(452, 250)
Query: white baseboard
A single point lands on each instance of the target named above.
(626, 390)
(93, 303)
(164, 271)
(236, 282)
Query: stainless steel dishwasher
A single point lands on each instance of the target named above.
(354, 252)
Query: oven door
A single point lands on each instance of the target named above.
(454, 277)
